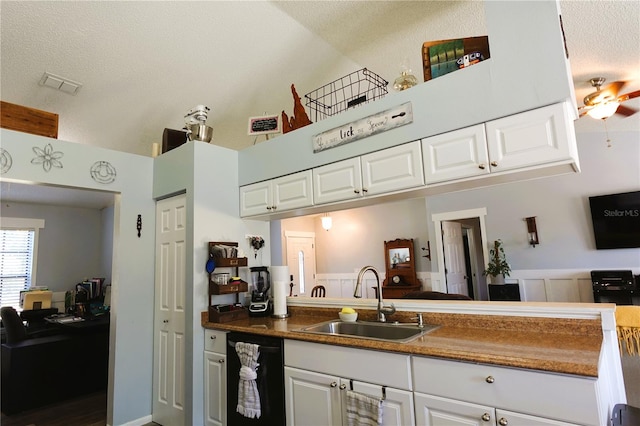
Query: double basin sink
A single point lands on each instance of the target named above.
(388, 332)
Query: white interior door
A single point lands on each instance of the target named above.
(301, 259)
(169, 315)
(454, 258)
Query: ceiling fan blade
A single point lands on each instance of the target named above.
(626, 111)
(628, 96)
(615, 87)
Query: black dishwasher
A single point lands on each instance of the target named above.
(270, 380)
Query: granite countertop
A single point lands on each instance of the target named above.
(569, 346)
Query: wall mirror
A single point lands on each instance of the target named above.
(400, 263)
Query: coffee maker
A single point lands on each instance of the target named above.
(261, 304)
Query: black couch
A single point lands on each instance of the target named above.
(43, 370)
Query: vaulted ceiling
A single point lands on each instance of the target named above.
(143, 65)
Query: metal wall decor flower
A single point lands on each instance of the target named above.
(47, 157)
(257, 242)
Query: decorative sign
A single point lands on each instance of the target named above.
(264, 125)
(368, 126)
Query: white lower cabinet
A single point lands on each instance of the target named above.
(452, 392)
(317, 377)
(315, 399)
(434, 411)
(215, 378)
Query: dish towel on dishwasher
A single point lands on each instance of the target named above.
(248, 396)
(363, 410)
(628, 328)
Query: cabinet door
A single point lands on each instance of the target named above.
(392, 169)
(215, 389)
(292, 191)
(255, 199)
(434, 411)
(397, 407)
(509, 418)
(311, 398)
(337, 181)
(543, 135)
(454, 155)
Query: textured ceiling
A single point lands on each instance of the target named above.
(144, 64)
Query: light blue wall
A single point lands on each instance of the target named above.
(131, 345)
(69, 246)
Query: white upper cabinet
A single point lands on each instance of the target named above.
(380, 172)
(283, 193)
(457, 154)
(337, 181)
(539, 136)
(516, 142)
(392, 169)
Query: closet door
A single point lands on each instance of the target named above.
(169, 311)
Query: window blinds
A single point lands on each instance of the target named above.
(16, 259)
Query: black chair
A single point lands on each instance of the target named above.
(318, 291)
(15, 330)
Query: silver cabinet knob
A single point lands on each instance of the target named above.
(268, 207)
(494, 163)
(212, 337)
(489, 379)
(274, 207)
(221, 361)
(486, 417)
(355, 191)
(503, 422)
(481, 166)
(333, 384)
(365, 190)
(165, 321)
(343, 387)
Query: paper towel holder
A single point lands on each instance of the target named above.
(278, 272)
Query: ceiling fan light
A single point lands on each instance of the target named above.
(604, 111)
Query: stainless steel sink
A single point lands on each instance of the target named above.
(390, 332)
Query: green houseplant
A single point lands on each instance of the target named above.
(498, 267)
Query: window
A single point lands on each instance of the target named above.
(18, 242)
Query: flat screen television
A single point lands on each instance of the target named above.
(616, 220)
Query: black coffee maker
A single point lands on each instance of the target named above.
(261, 304)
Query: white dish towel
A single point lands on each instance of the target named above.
(363, 410)
(248, 396)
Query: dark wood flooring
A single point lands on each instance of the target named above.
(88, 410)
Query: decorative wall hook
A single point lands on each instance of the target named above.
(427, 251)
(532, 231)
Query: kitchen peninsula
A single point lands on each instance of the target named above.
(564, 357)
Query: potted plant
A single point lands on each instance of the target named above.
(498, 268)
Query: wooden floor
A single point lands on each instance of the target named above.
(89, 410)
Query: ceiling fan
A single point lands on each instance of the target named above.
(603, 103)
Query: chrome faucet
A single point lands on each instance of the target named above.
(382, 310)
